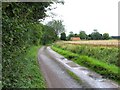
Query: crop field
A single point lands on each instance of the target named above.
(96, 42)
(98, 56)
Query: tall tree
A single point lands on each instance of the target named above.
(82, 35)
(63, 36)
(49, 35)
(95, 35)
(71, 34)
(105, 36)
(76, 35)
(57, 25)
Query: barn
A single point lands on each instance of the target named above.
(75, 38)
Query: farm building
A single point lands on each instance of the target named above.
(75, 38)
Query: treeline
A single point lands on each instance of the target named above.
(95, 35)
(21, 29)
(116, 37)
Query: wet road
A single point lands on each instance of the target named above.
(55, 75)
(54, 65)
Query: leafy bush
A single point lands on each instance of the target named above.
(20, 30)
(30, 77)
(25, 73)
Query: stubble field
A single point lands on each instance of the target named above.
(95, 42)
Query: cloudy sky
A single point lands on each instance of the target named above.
(87, 15)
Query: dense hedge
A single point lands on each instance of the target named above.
(20, 30)
(29, 75)
(16, 39)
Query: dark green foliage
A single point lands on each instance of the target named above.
(27, 73)
(49, 35)
(89, 37)
(76, 35)
(105, 36)
(30, 75)
(63, 36)
(25, 10)
(96, 35)
(57, 25)
(20, 30)
(71, 34)
(83, 35)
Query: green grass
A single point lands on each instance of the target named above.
(107, 70)
(31, 76)
(109, 55)
(74, 76)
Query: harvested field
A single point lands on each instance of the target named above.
(96, 42)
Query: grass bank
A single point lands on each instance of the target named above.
(30, 76)
(106, 70)
(106, 54)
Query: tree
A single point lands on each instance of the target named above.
(71, 34)
(76, 35)
(26, 10)
(105, 36)
(89, 37)
(82, 35)
(49, 35)
(57, 26)
(95, 35)
(63, 36)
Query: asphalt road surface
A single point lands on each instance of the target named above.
(55, 75)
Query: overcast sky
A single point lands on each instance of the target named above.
(87, 15)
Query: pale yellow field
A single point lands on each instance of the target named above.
(95, 42)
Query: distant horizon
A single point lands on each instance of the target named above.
(87, 15)
(90, 33)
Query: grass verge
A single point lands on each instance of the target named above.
(106, 54)
(30, 76)
(73, 76)
(107, 70)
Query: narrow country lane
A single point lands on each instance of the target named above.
(54, 65)
(54, 73)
